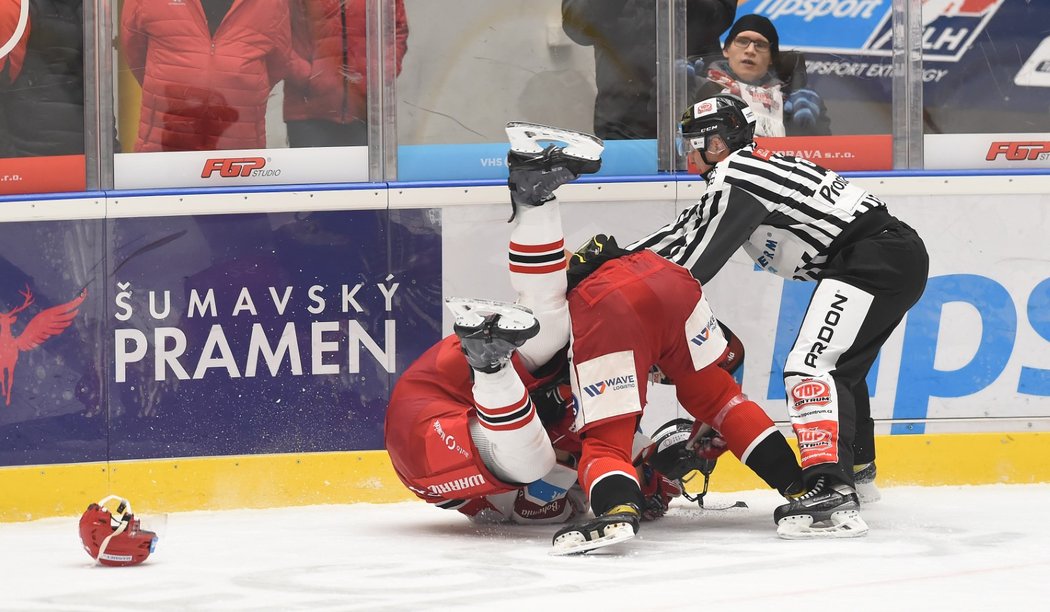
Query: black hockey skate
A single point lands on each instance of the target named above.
(535, 171)
(618, 524)
(830, 509)
(490, 332)
(864, 481)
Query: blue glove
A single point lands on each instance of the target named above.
(803, 106)
(694, 68)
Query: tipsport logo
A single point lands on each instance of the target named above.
(865, 27)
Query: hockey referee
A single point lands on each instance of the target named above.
(801, 221)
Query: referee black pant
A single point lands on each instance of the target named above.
(861, 296)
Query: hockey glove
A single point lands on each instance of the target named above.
(657, 493)
(804, 107)
(709, 445)
(552, 399)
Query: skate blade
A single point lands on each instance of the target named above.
(575, 543)
(842, 524)
(472, 312)
(525, 138)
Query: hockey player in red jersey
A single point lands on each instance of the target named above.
(631, 313)
(480, 422)
(464, 433)
(489, 435)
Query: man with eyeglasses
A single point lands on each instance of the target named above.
(754, 69)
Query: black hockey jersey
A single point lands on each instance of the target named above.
(789, 214)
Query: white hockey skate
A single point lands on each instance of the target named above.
(828, 510)
(617, 525)
(525, 138)
(536, 171)
(490, 331)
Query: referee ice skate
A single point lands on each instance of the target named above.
(804, 222)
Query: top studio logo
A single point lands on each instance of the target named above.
(865, 27)
(47, 323)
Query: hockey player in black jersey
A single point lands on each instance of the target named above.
(801, 221)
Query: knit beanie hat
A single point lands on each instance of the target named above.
(756, 23)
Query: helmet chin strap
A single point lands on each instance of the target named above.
(124, 509)
(711, 164)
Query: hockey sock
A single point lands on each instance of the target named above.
(537, 273)
(509, 434)
(605, 469)
(613, 489)
(758, 444)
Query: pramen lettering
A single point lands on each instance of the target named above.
(169, 345)
(272, 348)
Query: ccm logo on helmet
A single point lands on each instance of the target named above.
(827, 331)
(229, 167)
(1019, 151)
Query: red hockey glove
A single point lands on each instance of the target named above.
(657, 493)
(709, 444)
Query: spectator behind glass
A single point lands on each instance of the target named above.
(330, 109)
(206, 68)
(14, 36)
(623, 34)
(42, 104)
(770, 81)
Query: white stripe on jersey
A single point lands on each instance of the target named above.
(804, 207)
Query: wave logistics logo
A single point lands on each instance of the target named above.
(865, 27)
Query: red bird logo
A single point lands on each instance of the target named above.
(46, 323)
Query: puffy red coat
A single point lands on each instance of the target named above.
(205, 93)
(14, 33)
(330, 36)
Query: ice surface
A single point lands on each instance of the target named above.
(943, 548)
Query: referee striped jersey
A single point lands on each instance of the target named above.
(786, 212)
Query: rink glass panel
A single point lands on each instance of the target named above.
(42, 98)
(986, 94)
(274, 74)
(474, 65)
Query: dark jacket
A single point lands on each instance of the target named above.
(623, 34)
(42, 110)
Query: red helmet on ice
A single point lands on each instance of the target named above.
(115, 537)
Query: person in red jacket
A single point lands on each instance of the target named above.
(330, 107)
(206, 70)
(14, 34)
